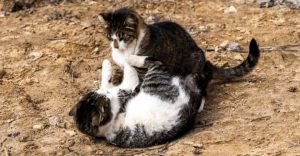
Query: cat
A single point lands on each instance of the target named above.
(169, 43)
(163, 109)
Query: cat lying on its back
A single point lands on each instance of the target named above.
(164, 108)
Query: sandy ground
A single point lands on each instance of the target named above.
(51, 55)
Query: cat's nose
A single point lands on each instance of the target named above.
(116, 44)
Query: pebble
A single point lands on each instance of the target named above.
(2, 14)
(224, 44)
(71, 133)
(265, 3)
(233, 46)
(230, 9)
(203, 28)
(38, 127)
(35, 55)
(230, 46)
(53, 120)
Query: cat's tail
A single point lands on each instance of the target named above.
(241, 70)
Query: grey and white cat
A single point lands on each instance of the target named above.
(163, 109)
(169, 43)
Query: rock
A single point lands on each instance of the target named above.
(71, 133)
(53, 120)
(233, 46)
(292, 4)
(34, 55)
(96, 50)
(230, 9)
(265, 3)
(230, 46)
(203, 28)
(38, 127)
(224, 44)
(2, 14)
(193, 144)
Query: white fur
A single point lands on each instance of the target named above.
(118, 54)
(106, 75)
(154, 113)
(149, 110)
(130, 79)
(136, 61)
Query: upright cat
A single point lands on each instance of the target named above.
(167, 42)
(164, 108)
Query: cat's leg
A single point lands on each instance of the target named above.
(201, 105)
(136, 61)
(106, 75)
(130, 78)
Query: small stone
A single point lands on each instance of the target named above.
(224, 44)
(71, 133)
(34, 55)
(239, 38)
(53, 120)
(2, 14)
(230, 9)
(203, 28)
(96, 50)
(193, 144)
(265, 3)
(233, 46)
(38, 127)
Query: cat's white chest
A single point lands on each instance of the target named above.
(119, 56)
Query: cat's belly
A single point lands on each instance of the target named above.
(152, 113)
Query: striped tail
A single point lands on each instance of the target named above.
(241, 70)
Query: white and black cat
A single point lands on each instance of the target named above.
(169, 43)
(163, 109)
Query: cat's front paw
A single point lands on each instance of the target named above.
(106, 70)
(135, 60)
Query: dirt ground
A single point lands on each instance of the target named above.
(51, 55)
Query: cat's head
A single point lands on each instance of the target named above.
(124, 27)
(91, 113)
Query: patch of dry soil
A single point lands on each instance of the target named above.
(51, 55)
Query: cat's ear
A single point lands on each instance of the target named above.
(132, 19)
(72, 111)
(105, 17)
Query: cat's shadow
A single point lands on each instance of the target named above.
(212, 109)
